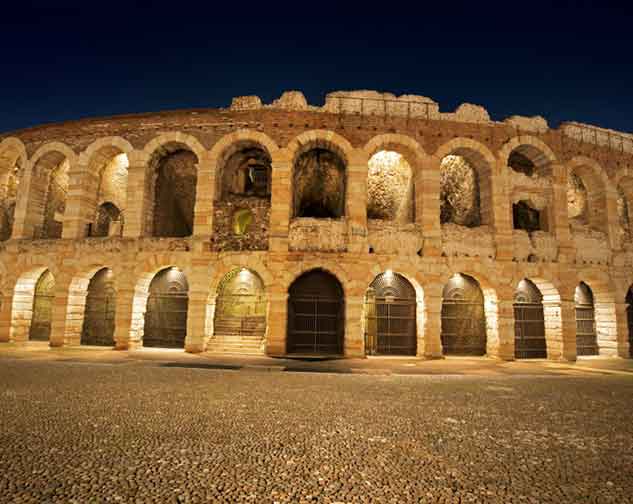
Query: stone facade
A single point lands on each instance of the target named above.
(164, 173)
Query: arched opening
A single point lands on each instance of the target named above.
(460, 201)
(526, 217)
(240, 310)
(586, 339)
(577, 210)
(521, 163)
(316, 314)
(463, 317)
(110, 167)
(319, 183)
(390, 316)
(529, 322)
(100, 309)
(40, 329)
(47, 198)
(172, 190)
(242, 206)
(109, 221)
(166, 314)
(629, 318)
(390, 188)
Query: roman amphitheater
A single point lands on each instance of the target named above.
(371, 225)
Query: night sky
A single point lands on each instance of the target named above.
(94, 58)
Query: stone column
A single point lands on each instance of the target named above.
(82, 188)
(124, 338)
(205, 196)
(562, 347)
(137, 197)
(431, 345)
(276, 326)
(280, 201)
(354, 343)
(428, 202)
(356, 204)
(59, 312)
(612, 219)
(6, 310)
(559, 221)
(504, 348)
(196, 321)
(622, 330)
(502, 212)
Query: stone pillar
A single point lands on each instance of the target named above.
(612, 219)
(356, 204)
(505, 326)
(280, 201)
(558, 218)
(277, 320)
(59, 313)
(125, 319)
(137, 197)
(502, 212)
(623, 329)
(196, 322)
(205, 196)
(6, 310)
(82, 188)
(560, 330)
(431, 345)
(22, 225)
(354, 343)
(75, 312)
(428, 203)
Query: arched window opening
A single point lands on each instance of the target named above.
(319, 185)
(174, 178)
(40, 329)
(316, 315)
(240, 308)
(525, 217)
(463, 317)
(109, 221)
(586, 339)
(99, 315)
(242, 221)
(459, 192)
(247, 173)
(577, 208)
(111, 194)
(390, 316)
(166, 315)
(529, 322)
(521, 163)
(390, 191)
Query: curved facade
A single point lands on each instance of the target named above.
(371, 225)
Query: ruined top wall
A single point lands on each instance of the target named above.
(357, 115)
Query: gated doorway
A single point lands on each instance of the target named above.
(316, 314)
(40, 329)
(463, 317)
(529, 322)
(240, 308)
(166, 315)
(586, 339)
(98, 326)
(390, 325)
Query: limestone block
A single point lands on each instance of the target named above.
(538, 245)
(311, 234)
(534, 124)
(367, 102)
(386, 237)
(466, 241)
(591, 246)
(291, 100)
(251, 102)
(467, 112)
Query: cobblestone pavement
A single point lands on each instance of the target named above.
(132, 431)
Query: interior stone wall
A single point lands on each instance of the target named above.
(390, 188)
(459, 192)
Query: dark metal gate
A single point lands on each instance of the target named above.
(40, 329)
(529, 322)
(166, 314)
(316, 309)
(390, 309)
(463, 317)
(98, 326)
(586, 339)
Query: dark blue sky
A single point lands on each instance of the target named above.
(569, 62)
